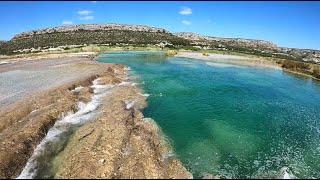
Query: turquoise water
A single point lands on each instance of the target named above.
(231, 121)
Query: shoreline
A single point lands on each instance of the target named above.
(135, 148)
(243, 61)
(230, 59)
(43, 56)
(301, 74)
(47, 111)
(27, 118)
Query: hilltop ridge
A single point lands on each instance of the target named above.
(90, 27)
(141, 35)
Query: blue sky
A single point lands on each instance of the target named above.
(289, 24)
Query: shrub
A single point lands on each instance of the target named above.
(82, 36)
(295, 65)
(205, 54)
(316, 72)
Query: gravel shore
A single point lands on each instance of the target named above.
(231, 59)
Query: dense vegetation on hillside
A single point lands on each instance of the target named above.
(265, 53)
(137, 35)
(79, 37)
(302, 67)
(251, 46)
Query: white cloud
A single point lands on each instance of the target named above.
(67, 22)
(186, 22)
(85, 15)
(94, 2)
(84, 12)
(86, 18)
(185, 11)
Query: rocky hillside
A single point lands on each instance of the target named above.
(207, 40)
(251, 46)
(110, 34)
(122, 34)
(90, 27)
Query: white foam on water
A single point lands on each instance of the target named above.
(86, 112)
(126, 83)
(286, 174)
(77, 89)
(145, 95)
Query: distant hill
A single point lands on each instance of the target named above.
(2, 42)
(207, 40)
(110, 34)
(122, 34)
(251, 46)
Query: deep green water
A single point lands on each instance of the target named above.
(231, 121)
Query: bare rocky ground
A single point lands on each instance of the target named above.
(26, 77)
(120, 143)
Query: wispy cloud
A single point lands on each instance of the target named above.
(85, 15)
(185, 11)
(84, 12)
(185, 22)
(67, 22)
(86, 18)
(94, 2)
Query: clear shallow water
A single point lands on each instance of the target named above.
(231, 121)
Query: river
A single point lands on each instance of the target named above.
(228, 120)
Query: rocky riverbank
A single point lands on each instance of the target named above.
(118, 143)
